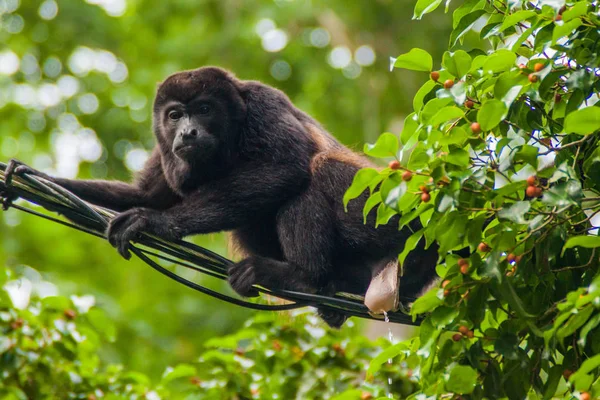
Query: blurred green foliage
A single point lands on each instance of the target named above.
(49, 349)
(77, 80)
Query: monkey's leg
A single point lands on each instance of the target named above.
(306, 229)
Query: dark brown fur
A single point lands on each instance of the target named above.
(259, 167)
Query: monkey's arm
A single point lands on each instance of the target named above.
(150, 189)
(225, 204)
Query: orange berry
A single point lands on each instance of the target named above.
(463, 329)
(424, 189)
(522, 66)
(531, 191)
(538, 67)
(448, 84)
(395, 164)
(366, 395)
(470, 334)
(446, 293)
(469, 104)
(557, 98)
(462, 262)
(558, 18)
(511, 258)
(435, 76)
(445, 283)
(531, 181)
(425, 197)
(194, 380)
(70, 314)
(585, 396)
(518, 260)
(457, 337)
(483, 247)
(538, 192)
(464, 269)
(476, 128)
(532, 78)
(407, 176)
(17, 323)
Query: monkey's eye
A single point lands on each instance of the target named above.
(175, 115)
(204, 109)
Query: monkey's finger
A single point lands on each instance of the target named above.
(116, 225)
(125, 238)
(242, 281)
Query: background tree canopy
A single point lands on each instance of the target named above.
(497, 150)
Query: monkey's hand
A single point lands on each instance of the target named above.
(244, 274)
(129, 225)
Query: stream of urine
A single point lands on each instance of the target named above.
(391, 339)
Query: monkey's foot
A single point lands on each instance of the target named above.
(243, 275)
(334, 319)
(16, 167)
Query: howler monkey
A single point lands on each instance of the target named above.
(236, 155)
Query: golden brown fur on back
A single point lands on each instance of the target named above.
(328, 149)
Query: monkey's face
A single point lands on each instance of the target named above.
(197, 115)
(192, 128)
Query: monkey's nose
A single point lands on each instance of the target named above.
(189, 134)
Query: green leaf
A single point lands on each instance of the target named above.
(464, 25)
(416, 60)
(373, 200)
(444, 316)
(458, 156)
(409, 246)
(583, 122)
(492, 112)
(424, 7)
(386, 146)
(586, 367)
(507, 344)
(384, 356)
(425, 303)
(575, 322)
(565, 29)
(577, 10)
(421, 93)
(457, 63)
(587, 241)
(360, 183)
(527, 153)
(515, 18)
(180, 371)
(446, 114)
(102, 323)
(462, 379)
(516, 212)
(499, 61)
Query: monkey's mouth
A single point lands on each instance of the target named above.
(184, 150)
